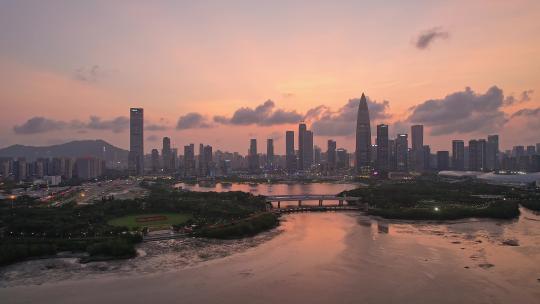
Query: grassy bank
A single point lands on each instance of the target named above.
(106, 248)
(241, 228)
(438, 200)
(496, 210)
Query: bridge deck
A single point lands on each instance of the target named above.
(324, 197)
(317, 208)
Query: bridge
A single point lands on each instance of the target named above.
(295, 209)
(309, 197)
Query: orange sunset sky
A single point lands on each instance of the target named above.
(71, 70)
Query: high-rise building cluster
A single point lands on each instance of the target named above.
(51, 170)
(403, 153)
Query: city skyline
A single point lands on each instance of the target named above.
(444, 73)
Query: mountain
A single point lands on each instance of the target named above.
(78, 148)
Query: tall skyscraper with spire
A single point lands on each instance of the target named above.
(363, 135)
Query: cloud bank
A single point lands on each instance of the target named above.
(462, 112)
(192, 121)
(39, 124)
(264, 115)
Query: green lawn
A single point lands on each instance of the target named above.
(150, 220)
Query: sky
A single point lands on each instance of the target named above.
(222, 72)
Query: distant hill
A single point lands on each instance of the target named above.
(78, 148)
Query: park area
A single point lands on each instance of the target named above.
(151, 220)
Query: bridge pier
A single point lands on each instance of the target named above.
(341, 202)
(320, 202)
(278, 204)
(299, 203)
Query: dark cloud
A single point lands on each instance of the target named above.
(527, 113)
(462, 112)
(524, 125)
(117, 125)
(192, 121)
(426, 38)
(90, 74)
(325, 122)
(523, 97)
(41, 125)
(263, 115)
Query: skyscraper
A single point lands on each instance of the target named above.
(477, 155)
(426, 154)
(417, 139)
(155, 160)
(207, 165)
(402, 149)
(531, 150)
(270, 153)
(518, 151)
(174, 159)
(382, 147)
(363, 135)
(392, 154)
(301, 132)
(492, 152)
(290, 157)
(308, 150)
(136, 141)
(253, 157)
(166, 154)
(200, 160)
(88, 168)
(458, 155)
(331, 155)
(189, 160)
(443, 159)
(342, 158)
(317, 155)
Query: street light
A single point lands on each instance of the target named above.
(12, 198)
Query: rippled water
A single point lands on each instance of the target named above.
(310, 258)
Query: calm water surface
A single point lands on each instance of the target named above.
(278, 189)
(275, 189)
(310, 258)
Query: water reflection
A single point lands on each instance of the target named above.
(273, 189)
(277, 189)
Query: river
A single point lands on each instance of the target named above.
(310, 258)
